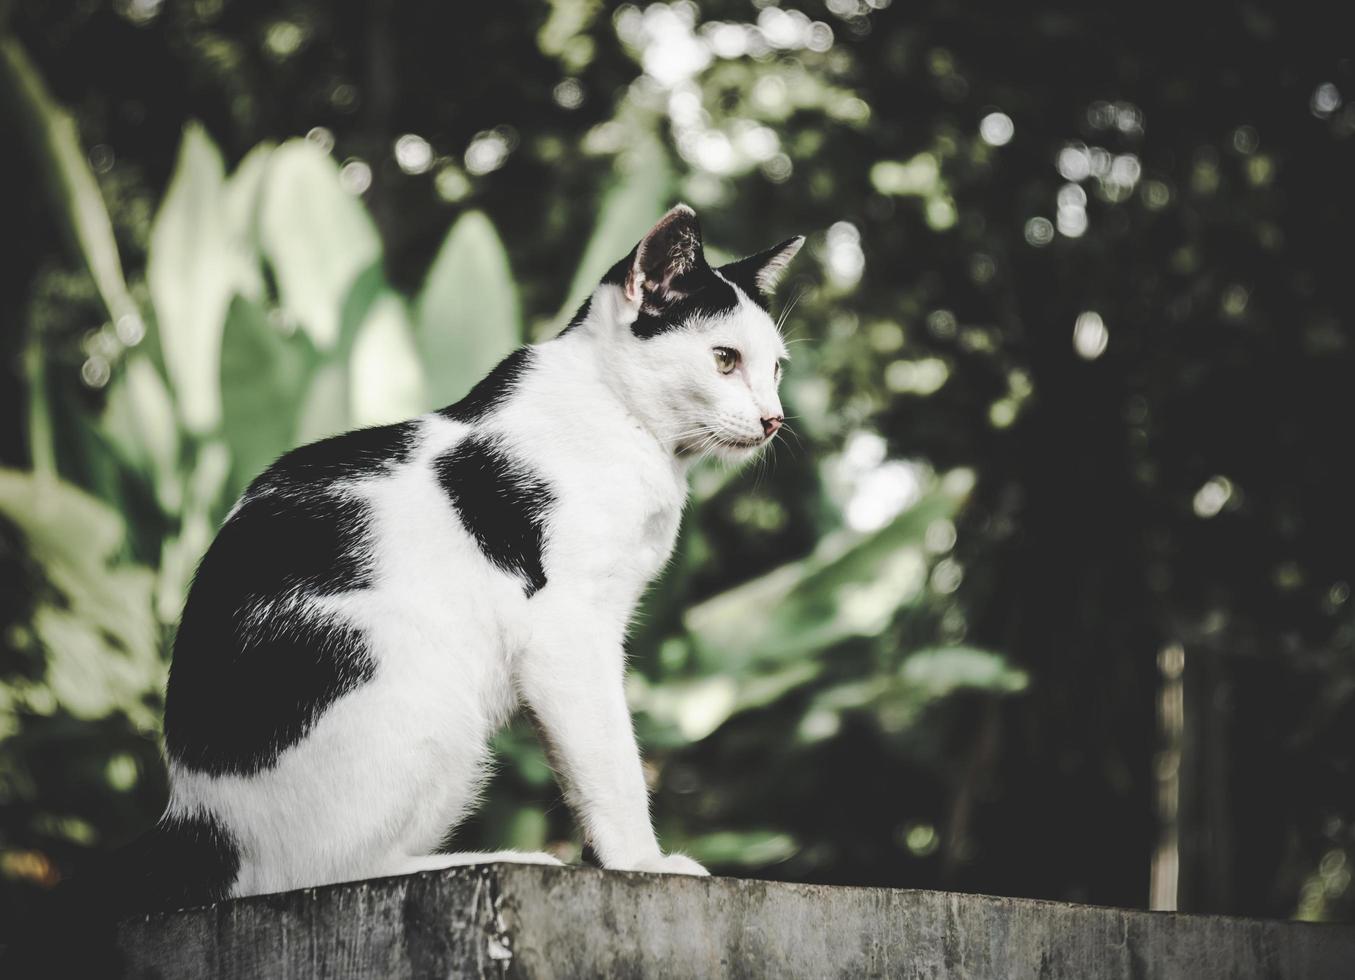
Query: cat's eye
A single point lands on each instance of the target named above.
(726, 359)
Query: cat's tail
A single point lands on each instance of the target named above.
(177, 863)
(181, 861)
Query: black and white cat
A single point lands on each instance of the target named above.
(379, 603)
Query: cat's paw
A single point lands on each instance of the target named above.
(671, 864)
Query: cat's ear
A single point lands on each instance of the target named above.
(670, 251)
(758, 274)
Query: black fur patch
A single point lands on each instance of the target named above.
(702, 292)
(502, 504)
(492, 389)
(182, 861)
(698, 294)
(616, 275)
(72, 930)
(350, 456)
(253, 668)
(579, 316)
(744, 274)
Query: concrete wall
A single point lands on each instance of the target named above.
(524, 921)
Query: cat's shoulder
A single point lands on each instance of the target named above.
(354, 455)
(494, 388)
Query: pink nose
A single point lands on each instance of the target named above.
(770, 425)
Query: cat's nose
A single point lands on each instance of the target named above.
(770, 425)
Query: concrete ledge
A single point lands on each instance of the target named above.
(526, 921)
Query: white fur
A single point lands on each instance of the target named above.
(612, 423)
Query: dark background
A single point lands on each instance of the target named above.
(1094, 263)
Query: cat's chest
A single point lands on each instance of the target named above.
(620, 523)
(607, 503)
(634, 519)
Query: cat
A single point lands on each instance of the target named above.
(378, 604)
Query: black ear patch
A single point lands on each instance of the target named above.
(667, 255)
(758, 274)
(702, 294)
(668, 274)
(676, 285)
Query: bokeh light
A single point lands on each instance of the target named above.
(1090, 336)
(997, 129)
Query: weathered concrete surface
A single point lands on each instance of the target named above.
(531, 922)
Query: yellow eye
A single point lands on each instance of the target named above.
(726, 359)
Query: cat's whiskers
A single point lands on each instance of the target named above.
(709, 446)
(771, 460)
(690, 430)
(682, 438)
(694, 439)
(799, 443)
(763, 465)
(780, 321)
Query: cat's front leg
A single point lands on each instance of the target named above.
(572, 680)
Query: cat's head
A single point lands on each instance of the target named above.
(690, 347)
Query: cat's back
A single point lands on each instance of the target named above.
(257, 656)
(303, 528)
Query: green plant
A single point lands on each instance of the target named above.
(266, 321)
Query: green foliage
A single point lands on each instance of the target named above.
(139, 421)
(192, 278)
(853, 586)
(388, 380)
(230, 376)
(467, 314)
(318, 240)
(79, 205)
(91, 634)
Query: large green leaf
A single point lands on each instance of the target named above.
(93, 621)
(242, 204)
(139, 419)
(52, 139)
(369, 286)
(385, 377)
(937, 671)
(851, 586)
(204, 505)
(264, 378)
(317, 237)
(325, 409)
(193, 269)
(897, 699)
(467, 315)
(86, 457)
(629, 209)
(745, 848)
(75, 193)
(679, 711)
